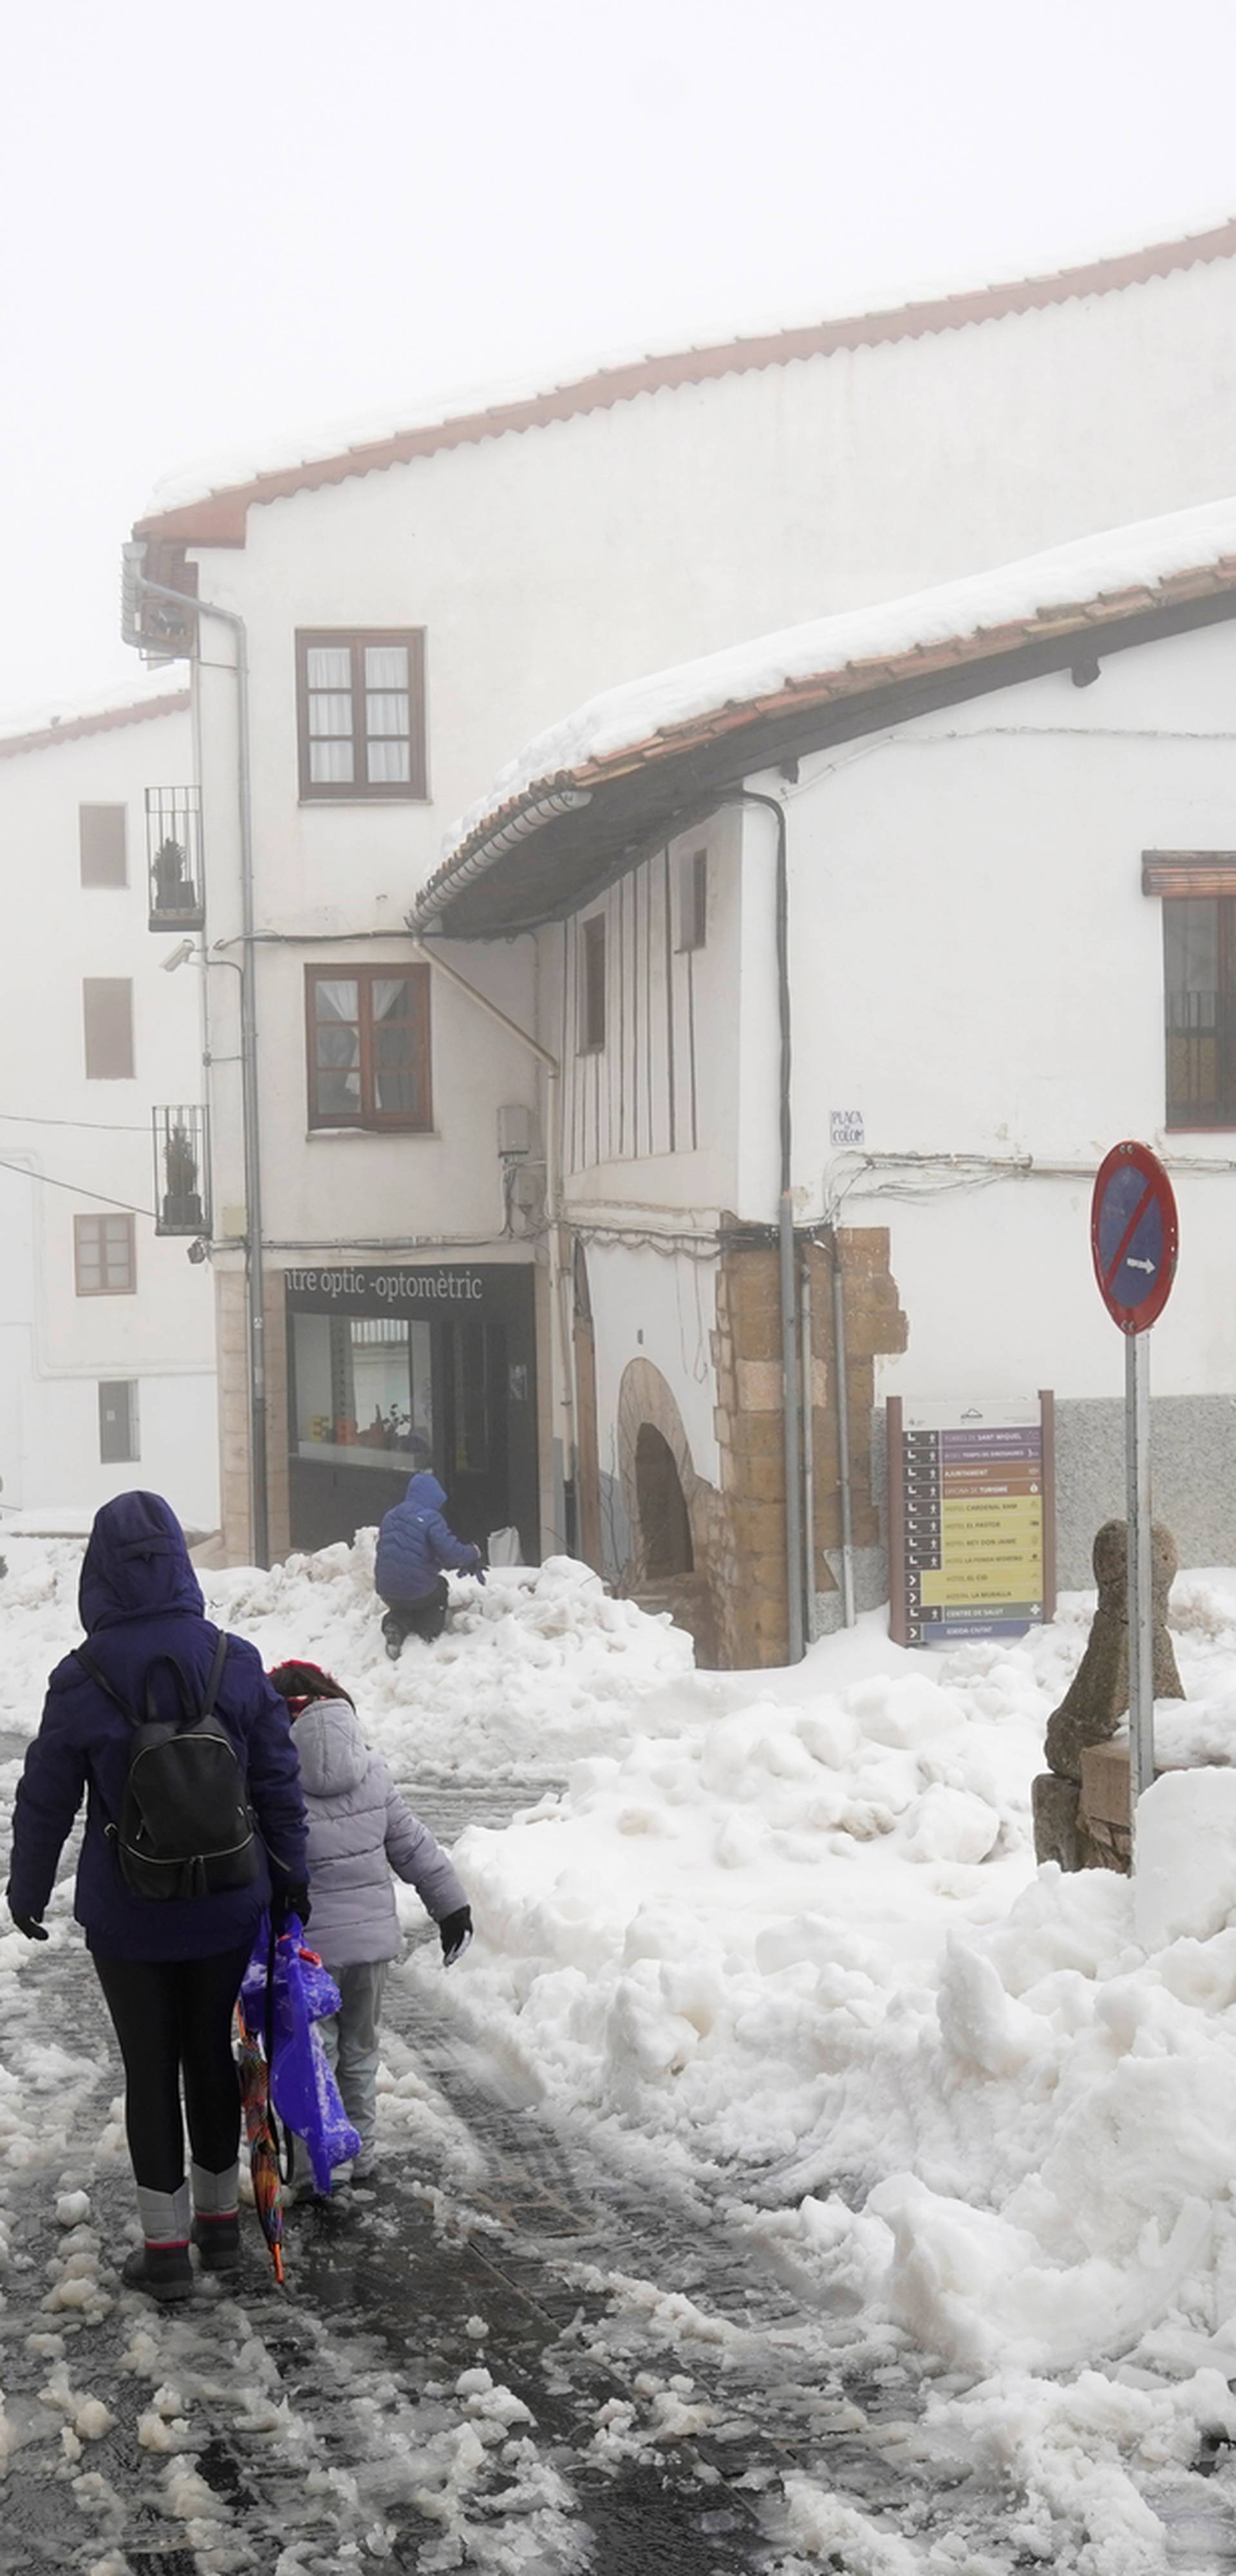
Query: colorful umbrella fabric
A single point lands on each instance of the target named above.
(263, 2154)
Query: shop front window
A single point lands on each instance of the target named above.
(364, 1390)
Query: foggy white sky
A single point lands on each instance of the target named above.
(221, 223)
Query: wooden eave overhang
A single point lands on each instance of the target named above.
(645, 794)
(219, 518)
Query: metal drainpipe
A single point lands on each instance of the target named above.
(843, 1433)
(135, 585)
(559, 1344)
(808, 1457)
(791, 1446)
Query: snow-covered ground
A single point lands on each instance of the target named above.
(788, 1928)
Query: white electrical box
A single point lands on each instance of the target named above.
(516, 1129)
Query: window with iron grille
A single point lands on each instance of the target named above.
(104, 1260)
(360, 698)
(1199, 982)
(368, 1046)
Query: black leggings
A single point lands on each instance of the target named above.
(174, 2016)
(424, 1618)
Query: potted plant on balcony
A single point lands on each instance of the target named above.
(182, 1203)
(173, 888)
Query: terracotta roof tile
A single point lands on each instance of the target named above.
(219, 517)
(108, 720)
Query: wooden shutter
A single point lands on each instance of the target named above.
(592, 996)
(1196, 873)
(101, 833)
(108, 1007)
(117, 1421)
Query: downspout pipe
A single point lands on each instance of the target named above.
(844, 1476)
(792, 1406)
(559, 1370)
(136, 587)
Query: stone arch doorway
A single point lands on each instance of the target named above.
(674, 1514)
(664, 1521)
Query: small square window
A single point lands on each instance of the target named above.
(103, 845)
(693, 899)
(117, 1421)
(104, 1262)
(361, 714)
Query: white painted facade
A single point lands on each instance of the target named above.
(74, 1144)
(546, 563)
(978, 979)
(967, 890)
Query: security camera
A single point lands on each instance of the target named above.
(180, 956)
(199, 1250)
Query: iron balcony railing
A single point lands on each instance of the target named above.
(174, 856)
(181, 1171)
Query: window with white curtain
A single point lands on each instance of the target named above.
(361, 713)
(367, 1033)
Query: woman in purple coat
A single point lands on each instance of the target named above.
(170, 1969)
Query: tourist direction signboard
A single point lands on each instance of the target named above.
(969, 1509)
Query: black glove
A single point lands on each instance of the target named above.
(285, 1901)
(455, 1932)
(30, 1924)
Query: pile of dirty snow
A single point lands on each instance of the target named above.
(537, 1666)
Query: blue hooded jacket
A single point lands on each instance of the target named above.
(415, 1545)
(139, 1598)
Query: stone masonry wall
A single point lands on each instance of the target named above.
(232, 1322)
(751, 1602)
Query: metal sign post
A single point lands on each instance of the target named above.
(1133, 1241)
(1137, 1507)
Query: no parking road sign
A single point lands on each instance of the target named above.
(1133, 1240)
(1133, 1236)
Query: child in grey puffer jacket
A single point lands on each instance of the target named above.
(360, 1829)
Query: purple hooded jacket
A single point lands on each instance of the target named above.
(139, 1597)
(415, 1546)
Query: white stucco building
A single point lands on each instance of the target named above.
(1001, 819)
(412, 607)
(107, 1332)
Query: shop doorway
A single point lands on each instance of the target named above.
(394, 1372)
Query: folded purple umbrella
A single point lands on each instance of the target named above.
(284, 1991)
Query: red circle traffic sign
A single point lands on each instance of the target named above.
(1133, 1236)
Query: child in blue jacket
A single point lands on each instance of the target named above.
(414, 1545)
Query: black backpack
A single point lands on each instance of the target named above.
(185, 1826)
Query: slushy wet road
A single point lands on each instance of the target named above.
(525, 2348)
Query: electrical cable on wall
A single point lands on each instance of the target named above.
(75, 1189)
(90, 1126)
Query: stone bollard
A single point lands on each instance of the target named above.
(1097, 1699)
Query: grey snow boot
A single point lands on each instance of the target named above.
(161, 2264)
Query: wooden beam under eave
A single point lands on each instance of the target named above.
(218, 522)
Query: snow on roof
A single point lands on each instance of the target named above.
(103, 711)
(1118, 571)
(206, 502)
